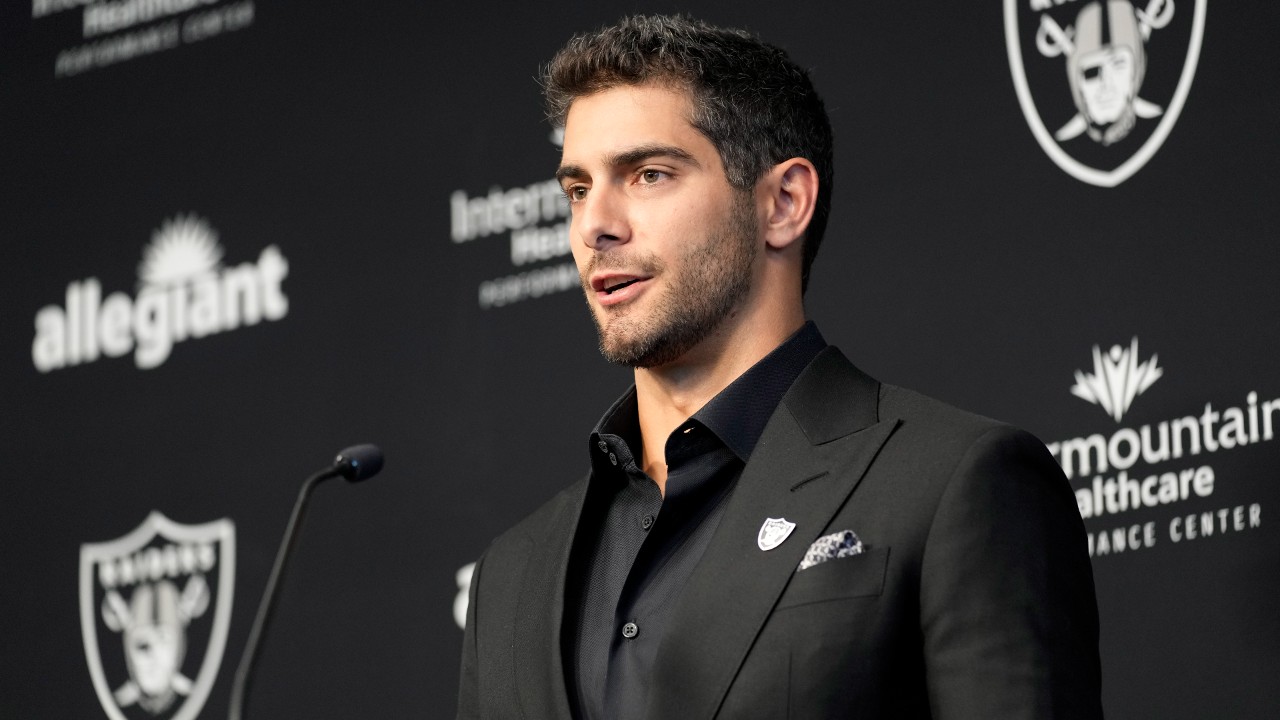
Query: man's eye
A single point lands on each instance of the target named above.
(575, 193)
(650, 177)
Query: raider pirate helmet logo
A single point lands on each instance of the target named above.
(1102, 82)
(155, 606)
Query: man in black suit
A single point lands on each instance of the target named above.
(766, 532)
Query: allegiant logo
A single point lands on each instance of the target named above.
(184, 292)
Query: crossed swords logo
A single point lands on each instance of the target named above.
(153, 624)
(1105, 75)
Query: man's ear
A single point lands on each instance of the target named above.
(790, 192)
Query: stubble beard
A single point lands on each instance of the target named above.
(712, 278)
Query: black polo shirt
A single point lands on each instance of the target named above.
(635, 549)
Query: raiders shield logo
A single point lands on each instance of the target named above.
(773, 532)
(155, 606)
(1102, 82)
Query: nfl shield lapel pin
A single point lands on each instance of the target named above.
(773, 532)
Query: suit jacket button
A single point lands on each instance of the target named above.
(630, 630)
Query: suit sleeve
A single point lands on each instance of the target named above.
(468, 677)
(1008, 612)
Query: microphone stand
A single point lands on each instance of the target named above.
(266, 608)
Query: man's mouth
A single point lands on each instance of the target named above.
(609, 283)
(610, 286)
(613, 288)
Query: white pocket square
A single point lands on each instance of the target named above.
(829, 547)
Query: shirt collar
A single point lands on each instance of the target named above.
(736, 415)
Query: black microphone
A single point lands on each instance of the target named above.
(356, 463)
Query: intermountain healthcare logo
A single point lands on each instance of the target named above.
(116, 31)
(184, 292)
(1117, 379)
(1126, 469)
(1104, 76)
(150, 603)
(536, 220)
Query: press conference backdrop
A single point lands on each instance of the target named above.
(241, 234)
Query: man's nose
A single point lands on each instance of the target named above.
(600, 219)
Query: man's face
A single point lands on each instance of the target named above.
(1106, 83)
(665, 247)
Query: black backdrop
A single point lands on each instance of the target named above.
(961, 260)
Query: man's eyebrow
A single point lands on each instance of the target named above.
(569, 171)
(630, 156)
(645, 152)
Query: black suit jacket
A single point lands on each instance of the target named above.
(974, 598)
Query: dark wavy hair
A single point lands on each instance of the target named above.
(756, 106)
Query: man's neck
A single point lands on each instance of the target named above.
(667, 396)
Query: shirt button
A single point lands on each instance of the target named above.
(630, 630)
(613, 458)
(647, 522)
(604, 446)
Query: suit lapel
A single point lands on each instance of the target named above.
(811, 456)
(539, 665)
